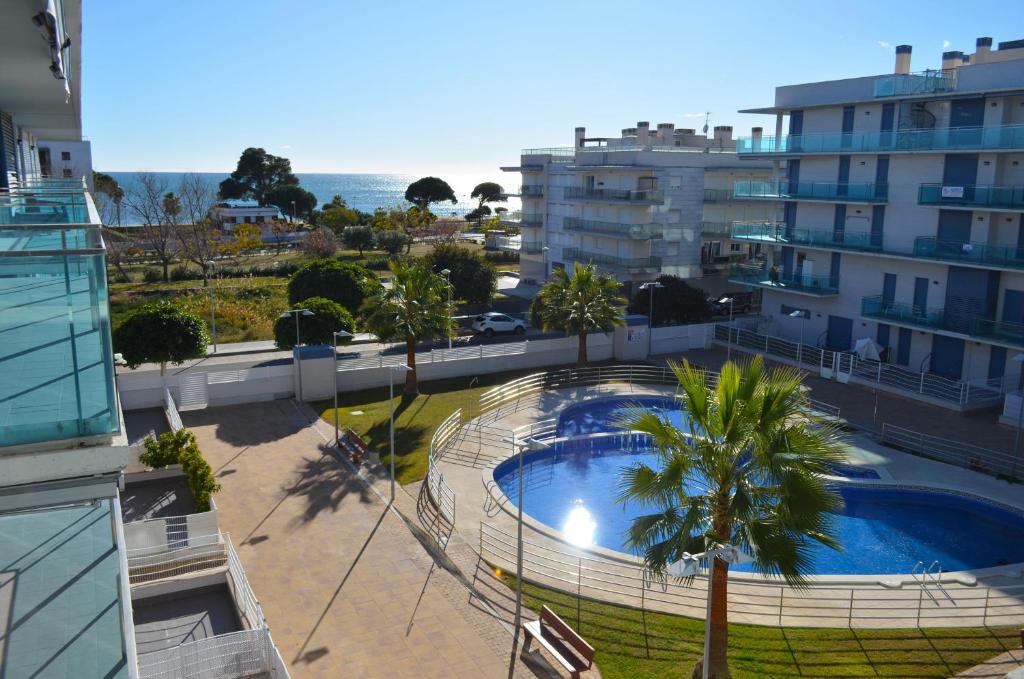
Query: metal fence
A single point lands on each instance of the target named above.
(200, 553)
(440, 492)
(171, 412)
(984, 460)
(246, 603)
(917, 602)
(226, 656)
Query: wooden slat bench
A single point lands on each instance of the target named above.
(561, 641)
(354, 446)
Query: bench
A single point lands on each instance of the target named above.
(561, 641)
(354, 446)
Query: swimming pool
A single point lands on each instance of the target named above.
(883, 530)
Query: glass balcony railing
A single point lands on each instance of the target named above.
(717, 195)
(971, 253)
(615, 229)
(612, 261)
(840, 192)
(532, 248)
(977, 196)
(44, 208)
(1008, 137)
(933, 318)
(523, 219)
(908, 314)
(774, 279)
(924, 82)
(998, 331)
(716, 228)
(759, 232)
(526, 191)
(639, 196)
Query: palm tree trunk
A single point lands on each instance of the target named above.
(719, 647)
(581, 357)
(411, 386)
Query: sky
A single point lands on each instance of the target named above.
(455, 88)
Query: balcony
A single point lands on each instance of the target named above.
(716, 229)
(1010, 198)
(532, 248)
(1004, 137)
(630, 264)
(818, 286)
(526, 191)
(938, 319)
(557, 154)
(857, 241)
(923, 82)
(529, 220)
(969, 253)
(613, 229)
(833, 192)
(717, 195)
(905, 314)
(644, 196)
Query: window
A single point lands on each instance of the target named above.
(786, 310)
(67, 173)
(259, 219)
(248, 220)
(734, 247)
(65, 155)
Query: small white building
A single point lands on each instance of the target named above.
(229, 215)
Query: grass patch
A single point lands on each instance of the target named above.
(416, 419)
(672, 644)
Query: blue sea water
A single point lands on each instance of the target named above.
(882, 530)
(364, 192)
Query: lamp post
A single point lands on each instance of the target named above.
(1019, 360)
(545, 250)
(689, 566)
(213, 313)
(400, 368)
(447, 273)
(652, 286)
(799, 313)
(293, 211)
(728, 344)
(343, 335)
(298, 339)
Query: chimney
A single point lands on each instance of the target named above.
(666, 131)
(581, 132)
(903, 59)
(951, 60)
(723, 134)
(983, 48)
(756, 133)
(628, 132)
(642, 133)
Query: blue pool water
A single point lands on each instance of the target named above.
(883, 531)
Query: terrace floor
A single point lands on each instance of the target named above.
(155, 499)
(169, 621)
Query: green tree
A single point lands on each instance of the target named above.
(414, 308)
(477, 214)
(748, 471)
(257, 173)
(342, 282)
(108, 186)
(162, 333)
(358, 237)
(391, 241)
(579, 304)
(675, 302)
(337, 219)
(427, 190)
(292, 200)
(328, 317)
(473, 278)
(488, 192)
(320, 243)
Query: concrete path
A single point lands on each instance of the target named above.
(348, 589)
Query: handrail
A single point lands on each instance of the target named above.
(965, 455)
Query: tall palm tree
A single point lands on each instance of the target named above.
(748, 470)
(414, 308)
(579, 304)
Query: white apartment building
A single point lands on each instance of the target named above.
(74, 573)
(898, 201)
(647, 203)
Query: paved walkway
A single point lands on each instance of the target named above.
(348, 589)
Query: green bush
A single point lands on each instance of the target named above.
(473, 279)
(180, 447)
(182, 273)
(676, 302)
(328, 317)
(501, 256)
(378, 263)
(342, 282)
(152, 275)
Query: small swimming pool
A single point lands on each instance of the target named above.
(883, 530)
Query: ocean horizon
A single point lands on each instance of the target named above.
(365, 192)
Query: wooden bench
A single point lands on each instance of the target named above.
(354, 446)
(561, 641)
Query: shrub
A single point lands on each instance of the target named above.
(473, 279)
(320, 242)
(257, 294)
(378, 263)
(182, 273)
(328, 317)
(180, 447)
(342, 282)
(152, 275)
(161, 332)
(501, 256)
(676, 302)
(358, 237)
(391, 241)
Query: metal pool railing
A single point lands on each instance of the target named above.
(984, 460)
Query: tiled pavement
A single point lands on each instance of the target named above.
(347, 588)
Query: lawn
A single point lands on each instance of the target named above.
(672, 644)
(415, 419)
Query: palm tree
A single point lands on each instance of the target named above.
(414, 308)
(578, 304)
(749, 471)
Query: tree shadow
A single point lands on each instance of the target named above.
(247, 425)
(326, 483)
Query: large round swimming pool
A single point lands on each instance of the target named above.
(882, 530)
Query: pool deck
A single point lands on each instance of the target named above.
(993, 596)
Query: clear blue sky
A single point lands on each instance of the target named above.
(456, 88)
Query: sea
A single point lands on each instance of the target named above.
(365, 192)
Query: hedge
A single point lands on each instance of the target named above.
(180, 447)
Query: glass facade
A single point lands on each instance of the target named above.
(1006, 137)
(840, 192)
(55, 352)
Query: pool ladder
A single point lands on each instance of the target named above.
(930, 574)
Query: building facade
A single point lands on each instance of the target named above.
(897, 205)
(647, 203)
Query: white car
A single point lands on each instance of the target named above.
(493, 322)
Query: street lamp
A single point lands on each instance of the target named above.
(293, 211)
(447, 273)
(400, 368)
(298, 339)
(213, 315)
(652, 286)
(689, 566)
(545, 250)
(799, 313)
(343, 335)
(728, 344)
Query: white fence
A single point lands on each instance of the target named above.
(919, 603)
(985, 460)
(424, 358)
(226, 656)
(845, 366)
(168, 532)
(199, 553)
(248, 606)
(171, 412)
(674, 339)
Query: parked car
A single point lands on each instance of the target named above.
(493, 322)
(742, 303)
